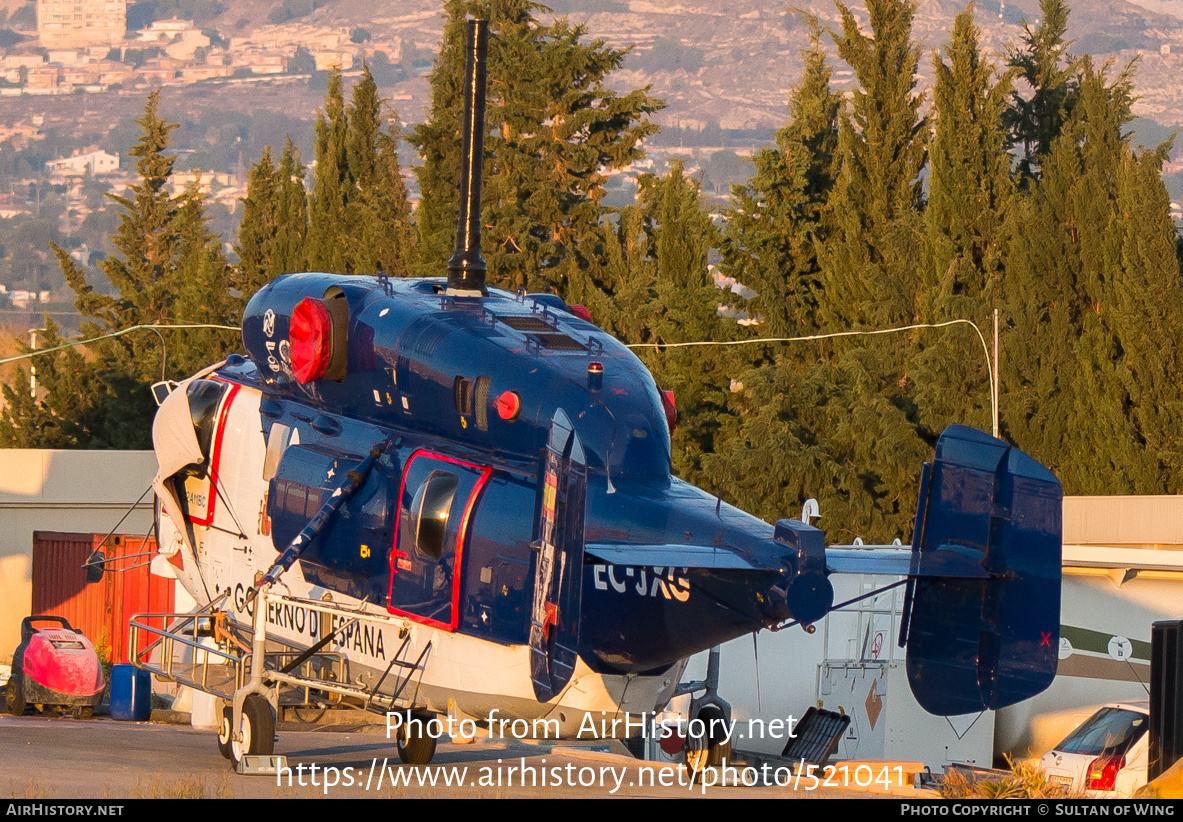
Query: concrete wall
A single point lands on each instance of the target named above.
(83, 491)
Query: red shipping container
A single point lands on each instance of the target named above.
(101, 610)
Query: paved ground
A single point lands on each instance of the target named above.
(61, 758)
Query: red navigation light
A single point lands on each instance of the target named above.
(670, 406)
(509, 405)
(311, 335)
(595, 376)
(582, 313)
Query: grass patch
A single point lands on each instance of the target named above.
(32, 790)
(188, 786)
(1025, 781)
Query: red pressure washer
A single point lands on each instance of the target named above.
(54, 669)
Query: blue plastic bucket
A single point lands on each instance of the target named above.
(131, 693)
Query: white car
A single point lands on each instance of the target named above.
(1107, 755)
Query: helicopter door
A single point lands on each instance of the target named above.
(435, 505)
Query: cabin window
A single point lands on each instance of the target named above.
(429, 512)
(436, 496)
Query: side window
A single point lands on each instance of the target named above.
(427, 519)
(436, 500)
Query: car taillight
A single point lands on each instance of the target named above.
(1103, 772)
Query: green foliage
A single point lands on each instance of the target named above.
(1026, 780)
(683, 307)
(780, 215)
(1050, 73)
(302, 62)
(291, 10)
(970, 194)
(554, 132)
(168, 270)
(869, 262)
(359, 212)
(274, 227)
(871, 259)
(1094, 307)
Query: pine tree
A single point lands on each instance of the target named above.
(1051, 75)
(169, 271)
(554, 131)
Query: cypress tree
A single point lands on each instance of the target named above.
(780, 217)
(681, 239)
(258, 227)
(1092, 359)
(328, 228)
(378, 207)
(780, 214)
(203, 280)
(554, 132)
(359, 212)
(274, 226)
(870, 263)
(289, 247)
(871, 260)
(969, 197)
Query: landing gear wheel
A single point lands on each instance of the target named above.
(257, 731)
(224, 732)
(14, 699)
(415, 745)
(710, 750)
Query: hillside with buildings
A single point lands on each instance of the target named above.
(238, 76)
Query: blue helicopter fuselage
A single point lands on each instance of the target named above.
(669, 570)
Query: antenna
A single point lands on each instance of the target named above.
(466, 269)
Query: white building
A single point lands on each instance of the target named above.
(94, 162)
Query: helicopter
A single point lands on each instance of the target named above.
(470, 489)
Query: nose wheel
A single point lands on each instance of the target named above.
(256, 731)
(713, 747)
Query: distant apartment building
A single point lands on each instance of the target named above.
(64, 24)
